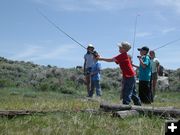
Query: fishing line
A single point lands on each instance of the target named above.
(166, 44)
(58, 28)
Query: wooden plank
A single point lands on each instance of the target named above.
(161, 111)
(114, 107)
(125, 114)
(14, 113)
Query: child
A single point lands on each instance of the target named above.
(144, 75)
(88, 62)
(95, 77)
(155, 66)
(129, 88)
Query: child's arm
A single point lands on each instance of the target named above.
(106, 59)
(97, 70)
(84, 66)
(141, 62)
(135, 66)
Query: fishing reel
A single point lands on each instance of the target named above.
(95, 54)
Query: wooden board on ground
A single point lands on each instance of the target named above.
(124, 114)
(114, 107)
(150, 110)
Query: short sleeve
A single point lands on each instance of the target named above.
(157, 61)
(117, 59)
(146, 61)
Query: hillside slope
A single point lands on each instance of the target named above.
(28, 74)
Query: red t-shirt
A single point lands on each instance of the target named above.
(125, 65)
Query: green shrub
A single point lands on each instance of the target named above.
(105, 85)
(6, 83)
(67, 90)
(43, 87)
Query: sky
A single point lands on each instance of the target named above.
(26, 36)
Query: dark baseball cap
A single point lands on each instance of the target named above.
(144, 48)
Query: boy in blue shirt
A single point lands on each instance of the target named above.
(95, 77)
(144, 75)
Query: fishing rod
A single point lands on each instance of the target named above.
(134, 37)
(57, 27)
(166, 44)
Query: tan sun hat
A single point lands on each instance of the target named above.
(124, 45)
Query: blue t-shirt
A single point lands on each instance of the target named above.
(145, 73)
(96, 68)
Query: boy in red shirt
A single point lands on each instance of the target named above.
(129, 82)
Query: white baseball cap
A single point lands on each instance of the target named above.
(90, 46)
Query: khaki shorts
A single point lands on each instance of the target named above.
(87, 71)
(154, 76)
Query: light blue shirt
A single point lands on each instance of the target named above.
(145, 73)
(96, 68)
(154, 63)
(89, 58)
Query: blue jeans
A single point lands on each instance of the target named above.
(129, 91)
(95, 84)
